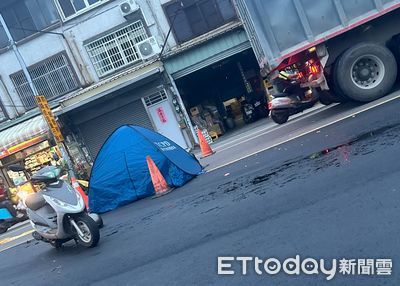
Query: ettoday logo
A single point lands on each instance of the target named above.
(309, 266)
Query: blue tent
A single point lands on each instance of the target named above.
(120, 174)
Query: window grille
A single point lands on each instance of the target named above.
(117, 49)
(52, 78)
(155, 98)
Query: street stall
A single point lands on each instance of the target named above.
(32, 158)
(28, 144)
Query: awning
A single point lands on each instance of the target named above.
(208, 53)
(110, 85)
(22, 132)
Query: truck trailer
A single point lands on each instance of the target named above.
(342, 49)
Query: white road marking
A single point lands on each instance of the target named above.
(366, 108)
(12, 238)
(267, 130)
(16, 229)
(10, 242)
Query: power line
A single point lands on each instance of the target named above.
(33, 30)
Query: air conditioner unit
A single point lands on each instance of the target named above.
(128, 7)
(148, 48)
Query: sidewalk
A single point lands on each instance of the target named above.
(259, 127)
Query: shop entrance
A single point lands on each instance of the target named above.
(163, 117)
(32, 158)
(226, 95)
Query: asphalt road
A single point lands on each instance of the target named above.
(330, 194)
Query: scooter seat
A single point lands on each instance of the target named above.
(35, 201)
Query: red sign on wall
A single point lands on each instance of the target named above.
(161, 114)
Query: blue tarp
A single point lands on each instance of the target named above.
(120, 174)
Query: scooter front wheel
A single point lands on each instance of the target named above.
(89, 234)
(279, 116)
(98, 219)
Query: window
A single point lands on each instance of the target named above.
(117, 49)
(192, 18)
(27, 17)
(52, 78)
(70, 8)
(155, 98)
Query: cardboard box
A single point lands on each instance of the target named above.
(196, 110)
(217, 129)
(236, 109)
(239, 121)
(209, 119)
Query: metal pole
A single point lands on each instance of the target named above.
(187, 117)
(19, 57)
(33, 88)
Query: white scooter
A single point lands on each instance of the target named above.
(57, 213)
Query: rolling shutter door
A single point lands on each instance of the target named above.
(96, 131)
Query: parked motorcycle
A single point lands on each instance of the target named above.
(7, 220)
(248, 112)
(293, 100)
(254, 109)
(57, 213)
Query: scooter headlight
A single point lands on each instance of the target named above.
(80, 199)
(58, 202)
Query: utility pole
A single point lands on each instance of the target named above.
(36, 94)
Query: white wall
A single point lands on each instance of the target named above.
(76, 31)
(32, 52)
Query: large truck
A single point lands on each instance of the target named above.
(344, 49)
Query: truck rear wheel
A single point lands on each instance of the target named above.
(366, 72)
(337, 93)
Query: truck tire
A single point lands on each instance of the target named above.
(366, 72)
(394, 46)
(337, 93)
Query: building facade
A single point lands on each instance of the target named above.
(106, 63)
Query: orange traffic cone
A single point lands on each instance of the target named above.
(78, 188)
(204, 146)
(160, 185)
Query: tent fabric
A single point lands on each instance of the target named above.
(120, 174)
